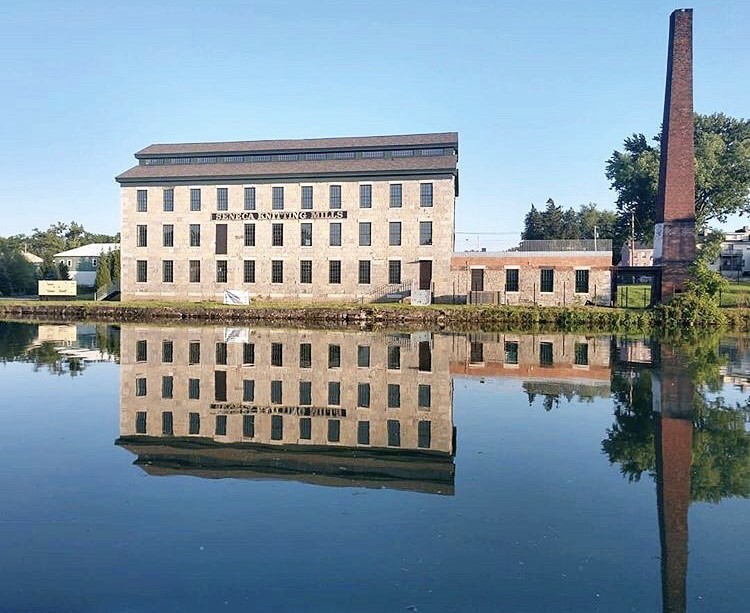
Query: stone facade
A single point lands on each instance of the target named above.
(530, 264)
(223, 260)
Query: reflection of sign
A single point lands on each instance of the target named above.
(236, 335)
(57, 334)
(57, 288)
(278, 215)
(233, 408)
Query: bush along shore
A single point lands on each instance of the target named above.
(459, 317)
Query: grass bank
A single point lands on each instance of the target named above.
(454, 317)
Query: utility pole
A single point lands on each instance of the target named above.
(595, 237)
(632, 238)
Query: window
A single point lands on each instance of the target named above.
(305, 355)
(221, 238)
(394, 233)
(305, 393)
(476, 353)
(511, 279)
(307, 197)
(249, 198)
(363, 356)
(334, 430)
(221, 271)
(582, 281)
(425, 233)
(363, 395)
(334, 356)
(334, 393)
(249, 271)
(305, 271)
(365, 233)
(167, 386)
(141, 351)
(277, 198)
(167, 423)
(222, 199)
(276, 392)
(141, 275)
(248, 353)
(249, 235)
(220, 385)
(248, 390)
(305, 428)
(334, 197)
(394, 433)
(305, 238)
(277, 235)
(221, 425)
(195, 235)
(546, 280)
(363, 433)
(425, 194)
(140, 422)
(194, 423)
(365, 196)
(394, 271)
(424, 434)
(277, 427)
(141, 236)
(581, 353)
(511, 352)
(221, 353)
(395, 201)
(167, 231)
(194, 352)
(195, 271)
(424, 396)
(140, 386)
(364, 271)
(167, 351)
(248, 426)
(334, 271)
(394, 396)
(334, 234)
(195, 199)
(425, 356)
(142, 204)
(277, 354)
(277, 271)
(545, 354)
(168, 199)
(194, 389)
(394, 357)
(167, 271)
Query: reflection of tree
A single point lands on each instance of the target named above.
(14, 339)
(553, 392)
(720, 444)
(46, 355)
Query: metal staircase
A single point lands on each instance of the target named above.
(390, 292)
(107, 292)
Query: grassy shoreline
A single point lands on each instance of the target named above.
(458, 317)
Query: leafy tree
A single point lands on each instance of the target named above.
(63, 272)
(103, 274)
(722, 175)
(114, 264)
(17, 276)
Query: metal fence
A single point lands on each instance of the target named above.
(600, 244)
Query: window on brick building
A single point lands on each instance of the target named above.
(277, 198)
(142, 201)
(334, 234)
(307, 197)
(222, 199)
(582, 281)
(334, 197)
(249, 198)
(511, 279)
(547, 280)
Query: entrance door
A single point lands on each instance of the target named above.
(477, 279)
(425, 274)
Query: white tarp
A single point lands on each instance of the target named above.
(236, 296)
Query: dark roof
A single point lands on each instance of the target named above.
(429, 165)
(448, 139)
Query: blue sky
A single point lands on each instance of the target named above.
(540, 92)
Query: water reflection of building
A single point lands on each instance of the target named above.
(328, 407)
(736, 371)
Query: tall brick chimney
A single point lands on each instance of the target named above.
(674, 234)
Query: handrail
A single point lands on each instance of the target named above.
(107, 290)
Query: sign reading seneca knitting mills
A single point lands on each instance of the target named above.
(278, 215)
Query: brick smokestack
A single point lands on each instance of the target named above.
(674, 234)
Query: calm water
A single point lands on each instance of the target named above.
(232, 469)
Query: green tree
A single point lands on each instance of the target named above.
(103, 271)
(722, 175)
(63, 272)
(114, 265)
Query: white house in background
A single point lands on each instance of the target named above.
(82, 261)
(641, 255)
(32, 259)
(734, 261)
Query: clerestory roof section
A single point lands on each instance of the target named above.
(346, 143)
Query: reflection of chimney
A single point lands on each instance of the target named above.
(673, 398)
(674, 234)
